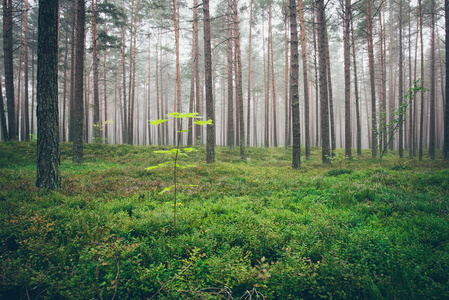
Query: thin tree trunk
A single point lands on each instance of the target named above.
(446, 106)
(9, 69)
(432, 84)
(401, 129)
(178, 70)
(96, 98)
(26, 79)
(421, 125)
(79, 85)
(273, 85)
(302, 27)
(369, 28)
(317, 98)
(248, 118)
(238, 73)
(229, 35)
(296, 157)
(105, 91)
(322, 40)
(347, 67)
(210, 115)
(3, 115)
(356, 90)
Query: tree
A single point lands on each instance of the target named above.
(2, 115)
(446, 106)
(9, 68)
(79, 84)
(322, 40)
(210, 146)
(347, 50)
(294, 74)
(302, 27)
(238, 73)
(369, 29)
(48, 157)
(356, 91)
(432, 83)
(96, 98)
(229, 36)
(401, 130)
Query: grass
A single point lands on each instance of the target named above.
(362, 231)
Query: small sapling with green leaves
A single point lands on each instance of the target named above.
(176, 152)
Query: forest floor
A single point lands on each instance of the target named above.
(355, 230)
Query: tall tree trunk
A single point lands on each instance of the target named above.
(273, 85)
(210, 115)
(421, 125)
(48, 157)
(123, 72)
(266, 80)
(229, 35)
(178, 70)
(347, 62)
(302, 27)
(296, 157)
(330, 93)
(158, 106)
(192, 76)
(432, 84)
(401, 128)
(9, 69)
(198, 129)
(238, 73)
(248, 118)
(96, 98)
(79, 85)
(446, 106)
(26, 79)
(356, 90)
(315, 65)
(105, 129)
(369, 28)
(64, 102)
(322, 40)
(72, 73)
(286, 74)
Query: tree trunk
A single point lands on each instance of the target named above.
(248, 118)
(229, 36)
(64, 102)
(79, 85)
(401, 128)
(72, 73)
(178, 70)
(48, 157)
(296, 157)
(3, 115)
(192, 76)
(432, 84)
(446, 106)
(315, 65)
(9, 69)
(369, 28)
(238, 73)
(356, 91)
(421, 124)
(105, 128)
(286, 74)
(347, 67)
(96, 98)
(322, 40)
(302, 27)
(26, 79)
(273, 85)
(210, 148)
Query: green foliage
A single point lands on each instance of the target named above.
(176, 152)
(250, 229)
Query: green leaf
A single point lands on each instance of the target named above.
(202, 123)
(183, 130)
(189, 149)
(157, 122)
(166, 189)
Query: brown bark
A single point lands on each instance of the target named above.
(178, 70)
(286, 74)
(446, 106)
(302, 27)
(105, 130)
(369, 28)
(273, 85)
(79, 85)
(421, 124)
(248, 118)
(432, 84)
(210, 148)
(322, 40)
(9, 69)
(229, 36)
(26, 79)
(356, 90)
(96, 98)
(296, 157)
(239, 82)
(3, 115)
(347, 67)
(48, 158)
(401, 128)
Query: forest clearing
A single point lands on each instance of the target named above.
(245, 229)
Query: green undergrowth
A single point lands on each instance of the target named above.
(248, 229)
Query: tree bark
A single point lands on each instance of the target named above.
(401, 127)
(229, 36)
(296, 157)
(356, 91)
(96, 97)
(322, 40)
(9, 69)
(210, 148)
(248, 118)
(79, 85)
(273, 85)
(238, 72)
(26, 79)
(3, 115)
(369, 28)
(432, 84)
(347, 67)
(421, 125)
(446, 106)
(48, 157)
